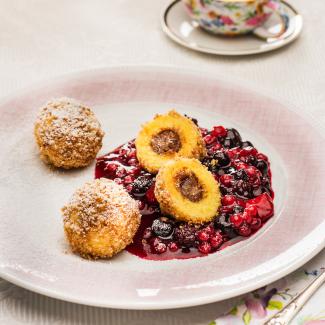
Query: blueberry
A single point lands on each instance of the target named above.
(262, 166)
(266, 183)
(162, 228)
(222, 158)
(221, 222)
(216, 161)
(141, 184)
(228, 143)
(224, 190)
(241, 174)
(246, 144)
(234, 135)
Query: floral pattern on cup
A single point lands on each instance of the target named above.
(230, 18)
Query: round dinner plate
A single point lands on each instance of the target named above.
(33, 251)
(186, 32)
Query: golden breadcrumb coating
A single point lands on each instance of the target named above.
(166, 137)
(100, 219)
(186, 190)
(68, 134)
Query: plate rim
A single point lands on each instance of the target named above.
(170, 33)
(189, 302)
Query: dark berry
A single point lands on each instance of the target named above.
(221, 222)
(241, 174)
(243, 189)
(142, 184)
(266, 183)
(251, 160)
(262, 166)
(222, 158)
(224, 190)
(234, 135)
(185, 235)
(161, 228)
(246, 144)
(228, 143)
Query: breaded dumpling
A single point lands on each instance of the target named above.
(186, 190)
(166, 137)
(101, 219)
(68, 134)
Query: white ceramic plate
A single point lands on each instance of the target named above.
(34, 253)
(181, 29)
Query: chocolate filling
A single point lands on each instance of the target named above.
(189, 186)
(166, 141)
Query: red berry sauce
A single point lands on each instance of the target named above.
(244, 176)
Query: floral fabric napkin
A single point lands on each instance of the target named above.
(258, 306)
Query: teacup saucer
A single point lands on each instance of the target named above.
(180, 28)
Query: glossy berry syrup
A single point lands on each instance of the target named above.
(244, 176)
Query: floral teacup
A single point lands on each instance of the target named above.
(235, 17)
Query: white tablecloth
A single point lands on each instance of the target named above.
(40, 39)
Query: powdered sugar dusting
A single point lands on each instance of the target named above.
(68, 133)
(98, 202)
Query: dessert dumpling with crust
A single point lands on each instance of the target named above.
(167, 137)
(186, 190)
(68, 134)
(100, 219)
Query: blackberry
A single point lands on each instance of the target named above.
(142, 184)
(162, 227)
(185, 235)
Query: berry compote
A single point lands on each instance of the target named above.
(244, 176)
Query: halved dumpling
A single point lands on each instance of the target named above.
(186, 190)
(167, 137)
